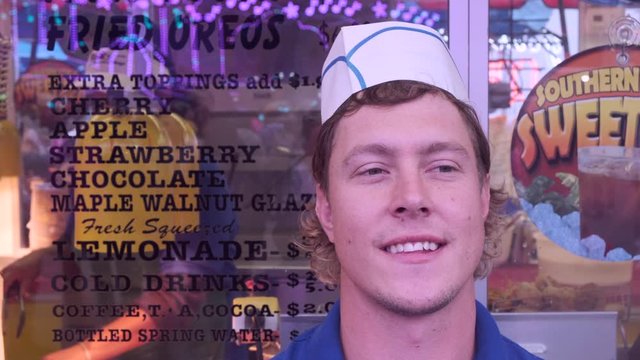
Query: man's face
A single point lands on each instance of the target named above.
(403, 181)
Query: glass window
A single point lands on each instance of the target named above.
(155, 162)
(563, 80)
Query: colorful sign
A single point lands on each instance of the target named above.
(591, 100)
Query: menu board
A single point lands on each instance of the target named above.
(167, 160)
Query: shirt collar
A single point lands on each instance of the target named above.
(325, 343)
(489, 343)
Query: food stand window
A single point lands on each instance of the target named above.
(563, 81)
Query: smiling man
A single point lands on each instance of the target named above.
(404, 216)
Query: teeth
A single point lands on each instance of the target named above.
(412, 247)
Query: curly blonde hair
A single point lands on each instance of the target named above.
(324, 261)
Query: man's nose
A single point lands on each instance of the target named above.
(411, 196)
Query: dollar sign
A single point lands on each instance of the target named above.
(324, 35)
(318, 81)
(293, 334)
(293, 251)
(293, 280)
(292, 309)
(294, 80)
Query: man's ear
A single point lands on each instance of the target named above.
(485, 196)
(323, 212)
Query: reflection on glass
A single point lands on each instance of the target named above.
(157, 271)
(562, 248)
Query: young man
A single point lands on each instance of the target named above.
(404, 215)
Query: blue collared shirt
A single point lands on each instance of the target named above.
(323, 341)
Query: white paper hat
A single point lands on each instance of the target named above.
(366, 55)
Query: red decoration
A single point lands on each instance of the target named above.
(506, 4)
(573, 4)
(59, 3)
(494, 4)
(434, 4)
(122, 5)
(497, 4)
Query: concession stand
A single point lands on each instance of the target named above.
(155, 159)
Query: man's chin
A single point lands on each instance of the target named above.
(412, 307)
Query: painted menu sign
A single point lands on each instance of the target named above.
(167, 156)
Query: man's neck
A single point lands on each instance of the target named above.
(369, 331)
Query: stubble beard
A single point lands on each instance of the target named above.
(415, 307)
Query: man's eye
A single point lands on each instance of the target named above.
(446, 168)
(372, 171)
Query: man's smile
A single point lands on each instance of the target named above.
(412, 247)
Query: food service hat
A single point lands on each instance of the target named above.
(366, 55)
